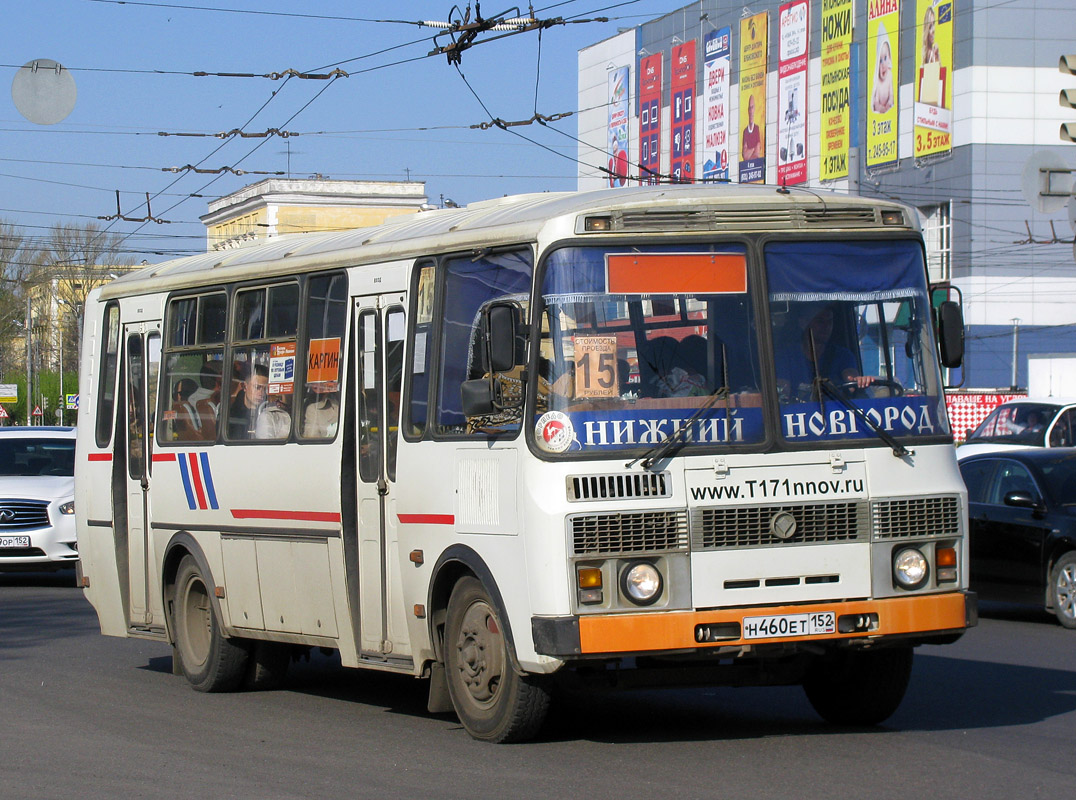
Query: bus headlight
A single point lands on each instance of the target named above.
(910, 568)
(641, 583)
(67, 508)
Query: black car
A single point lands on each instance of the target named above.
(1022, 505)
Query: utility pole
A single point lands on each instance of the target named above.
(1015, 351)
(29, 358)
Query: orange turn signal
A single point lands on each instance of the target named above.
(945, 556)
(590, 578)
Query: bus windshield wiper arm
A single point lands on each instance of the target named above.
(667, 445)
(827, 387)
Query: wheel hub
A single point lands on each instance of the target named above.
(481, 653)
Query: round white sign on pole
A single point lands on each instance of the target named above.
(44, 92)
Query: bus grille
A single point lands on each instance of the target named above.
(615, 487)
(916, 516)
(629, 532)
(24, 514)
(738, 527)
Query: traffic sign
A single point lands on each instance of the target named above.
(71, 401)
(37, 411)
(3, 413)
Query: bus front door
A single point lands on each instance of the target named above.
(379, 337)
(142, 346)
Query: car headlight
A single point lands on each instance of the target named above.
(68, 508)
(641, 583)
(910, 568)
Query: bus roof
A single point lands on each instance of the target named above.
(641, 209)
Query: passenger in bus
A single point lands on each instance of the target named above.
(672, 375)
(809, 341)
(208, 406)
(248, 402)
(185, 427)
(274, 419)
(322, 415)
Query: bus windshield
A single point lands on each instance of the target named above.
(853, 343)
(640, 344)
(636, 342)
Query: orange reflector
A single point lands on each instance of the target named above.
(420, 611)
(417, 557)
(590, 578)
(945, 556)
(218, 591)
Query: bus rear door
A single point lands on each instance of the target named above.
(142, 347)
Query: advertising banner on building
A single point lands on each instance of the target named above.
(715, 151)
(650, 118)
(753, 62)
(792, 53)
(618, 126)
(933, 120)
(836, 63)
(883, 83)
(682, 103)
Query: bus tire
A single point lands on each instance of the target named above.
(859, 687)
(1063, 590)
(210, 661)
(494, 702)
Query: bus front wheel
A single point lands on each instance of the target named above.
(859, 687)
(494, 702)
(210, 661)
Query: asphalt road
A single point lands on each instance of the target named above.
(82, 715)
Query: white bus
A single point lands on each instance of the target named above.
(675, 434)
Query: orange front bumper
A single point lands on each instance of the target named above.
(676, 630)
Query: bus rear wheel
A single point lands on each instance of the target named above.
(494, 702)
(210, 661)
(859, 687)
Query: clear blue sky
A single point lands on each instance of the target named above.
(131, 63)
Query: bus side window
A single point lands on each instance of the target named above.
(418, 368)
(192, 369)
(470, 283)
(326, 317)
(106, 392)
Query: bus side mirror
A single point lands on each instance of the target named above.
(951, 334)
(501, 336)
(477, 397)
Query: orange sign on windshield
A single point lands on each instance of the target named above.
(677, 273)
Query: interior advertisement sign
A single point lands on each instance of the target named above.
(933, 122)
(753, 62)
(793, 47)
(715, 152)
(883, 82)
(650, 119)
(836, 63)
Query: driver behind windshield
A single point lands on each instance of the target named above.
(808, 340)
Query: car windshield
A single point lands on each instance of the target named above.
(29, 457)
(1060, 477)
(1016, 423)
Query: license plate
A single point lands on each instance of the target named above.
(778, 625)
(14, 541)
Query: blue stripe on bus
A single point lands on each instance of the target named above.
(207, 476)
(182, 459)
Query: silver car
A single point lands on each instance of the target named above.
(37, 498)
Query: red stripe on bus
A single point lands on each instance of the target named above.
(303, 516)
(99, 457)
(427, 519)
(163, 457)
(196, 479)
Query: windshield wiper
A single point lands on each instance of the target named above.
(667, 446)
(826, 386)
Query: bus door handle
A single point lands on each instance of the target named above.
(382, 486)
